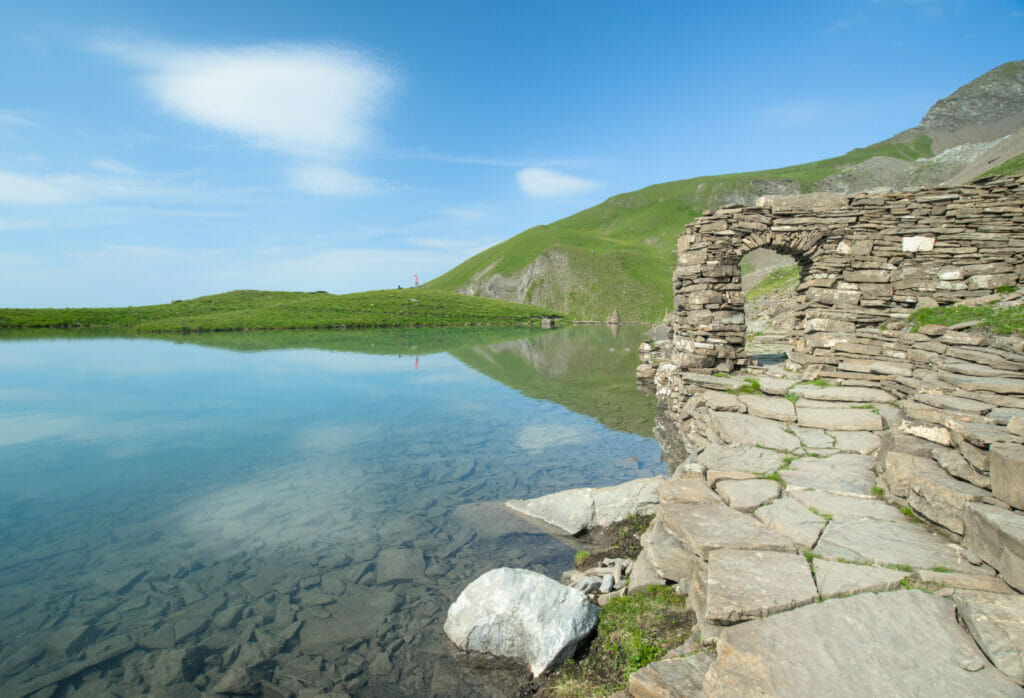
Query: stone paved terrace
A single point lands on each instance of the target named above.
(846, 537)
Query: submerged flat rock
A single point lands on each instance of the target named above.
(902, 643)
(578, 509)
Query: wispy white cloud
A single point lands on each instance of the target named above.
(26, 189)
(297, 99)
(113, 166)
(51, 189)
(543, 182)
(327, 180)
(13, 118)
(465, 213)
(488, 161)
(794, 114)
(443, 243)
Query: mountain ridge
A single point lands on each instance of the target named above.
(619, 254)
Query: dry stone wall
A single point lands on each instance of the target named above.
(867, 261)
(905, 455)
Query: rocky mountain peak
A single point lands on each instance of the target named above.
(993, 101)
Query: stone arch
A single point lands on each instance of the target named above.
(710, 320)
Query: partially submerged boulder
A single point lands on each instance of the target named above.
(519, 614)
(574, 511)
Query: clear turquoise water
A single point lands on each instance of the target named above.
(170, 510)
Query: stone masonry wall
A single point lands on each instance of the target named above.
(868, 260)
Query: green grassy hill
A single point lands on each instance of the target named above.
(620, 253)
(590, 369)
(254, 310)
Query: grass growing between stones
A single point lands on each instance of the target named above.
(632, 632)
(998, 320)
(909, 513)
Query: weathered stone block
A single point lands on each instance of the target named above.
(997, 537)
(870, 276)
(1006, 468)
(918, 243)
(848, 419)
(746, 584)
(893, 644)
(777, 408)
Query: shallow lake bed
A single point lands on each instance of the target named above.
(181, 516)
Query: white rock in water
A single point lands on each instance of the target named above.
(579, 509)
(520, 614)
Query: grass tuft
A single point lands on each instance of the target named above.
(998, 320)
(632, 632)
(909, 513)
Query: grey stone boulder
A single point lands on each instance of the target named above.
(519, 614)
(970, 582)
(579, 509)
(847, 507)
(996, 622)
(902, 643)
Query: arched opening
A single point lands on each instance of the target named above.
(773, 307)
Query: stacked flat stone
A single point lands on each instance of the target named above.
(932, 420)
(867, 261)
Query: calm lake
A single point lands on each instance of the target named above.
(286, 511)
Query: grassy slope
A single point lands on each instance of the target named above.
(1013, 166)
(239, 310)
(579, 371)
(622, 251)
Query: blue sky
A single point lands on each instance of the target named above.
(161, 150)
